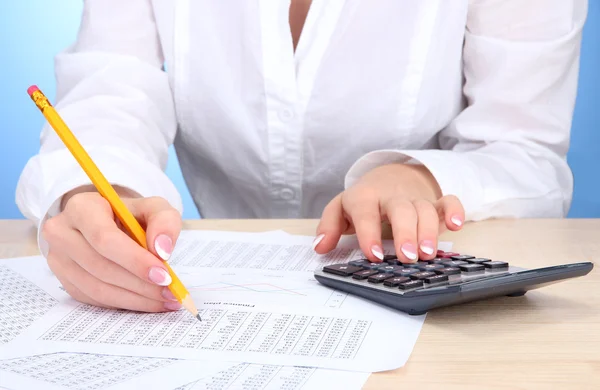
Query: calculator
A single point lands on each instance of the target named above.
(449, 279)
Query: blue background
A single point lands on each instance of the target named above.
(32, 32)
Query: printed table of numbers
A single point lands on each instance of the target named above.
(234, 330)
(21, 303)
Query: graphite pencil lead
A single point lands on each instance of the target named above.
(198, 317)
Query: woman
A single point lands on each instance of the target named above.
(421, 113)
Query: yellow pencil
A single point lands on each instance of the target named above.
(106, 190)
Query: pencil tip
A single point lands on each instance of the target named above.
(198, 317)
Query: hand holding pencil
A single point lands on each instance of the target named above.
(96, 261)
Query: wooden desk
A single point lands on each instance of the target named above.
(550, 338)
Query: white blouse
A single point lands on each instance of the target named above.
(481, 92)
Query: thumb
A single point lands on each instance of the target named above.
(161, 221)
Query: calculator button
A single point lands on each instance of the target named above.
(379, 278)
(431, 267)
(390, 257)
(394, 282)
(393, 261)
(496, 264)
(411, 284)
(447, 255)
(359, 263)
(462, 257)
(411, 265)
(477, 260)
(360, 275)
(406, 271)
(454, 263)
(471, 267)
(448, 271)
(436, 279)
(341, 269)
(388, 269)
(421, 275)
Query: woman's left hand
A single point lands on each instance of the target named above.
(407, 197)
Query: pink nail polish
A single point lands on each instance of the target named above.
(456, 220)
(172, 306)
(163, 245)
(377, 252)
(167, 294)
(317, 241)
(409, 251)
(427, 247)
(159, 276)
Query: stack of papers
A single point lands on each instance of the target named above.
(266, 324)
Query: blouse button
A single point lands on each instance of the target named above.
(287, 194)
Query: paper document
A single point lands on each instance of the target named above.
(265, 377)
(214, 249)
(94, 372)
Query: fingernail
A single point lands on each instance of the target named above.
(159, 276)
(163, 246)
(317, 240)
(456, 220)
(427, 247)
(409, 251)
(172, 306)
(167, 294)
(377, 251)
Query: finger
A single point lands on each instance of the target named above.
(92, 216)
(427, 228)
(366, 220)
(163, 224)
(80, 251)
(331, 226)
(107, 295)
(73, 291)
(403, 218)
(451, 213)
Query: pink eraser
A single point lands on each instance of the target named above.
(32, 89)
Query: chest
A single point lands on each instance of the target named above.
(386, 65)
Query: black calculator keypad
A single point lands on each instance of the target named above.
(421, 275)
(396, 281)
(406, 271)
(471, 267)
(379, 277)
(436, 279)
(365, 273)
(448, 271)
(454, 263)
(389, 275)
(341, 269)
(411, 284)
(496, 264)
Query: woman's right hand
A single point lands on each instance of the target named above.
(98, 263)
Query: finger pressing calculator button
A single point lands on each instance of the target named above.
(406, 271)
(495, 264)
(471, 267)
(447, 255)
(421, 275)
(361, 275)
(477, 260)
(341, 269)
(462, 257)
(379, 278)
(448, 271)
(436, 279)
(411, 284)
(364, 264)
(454, 263)
(394, 282)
